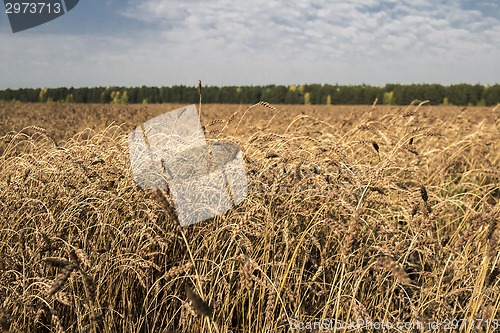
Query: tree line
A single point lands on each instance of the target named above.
(457, 94)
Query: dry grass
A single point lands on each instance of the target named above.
(381, 214)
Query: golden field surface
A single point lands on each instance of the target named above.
(358, 218)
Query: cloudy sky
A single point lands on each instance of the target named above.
(244, 42)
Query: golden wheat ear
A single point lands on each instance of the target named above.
(57, 262)
(61, 279)
(199, 305)
(396, 270)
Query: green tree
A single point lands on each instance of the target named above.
(491, 95)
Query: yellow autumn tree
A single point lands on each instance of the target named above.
(307, 98)
(329, 100)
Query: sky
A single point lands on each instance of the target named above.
(243, 42)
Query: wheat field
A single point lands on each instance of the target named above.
(355, 216)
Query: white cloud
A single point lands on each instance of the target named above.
(258, 42)
(299, 27)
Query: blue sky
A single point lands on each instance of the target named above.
(241, 42)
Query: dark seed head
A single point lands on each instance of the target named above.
(375, 146)
(56, 262)
(200, 306)
(423, 193)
